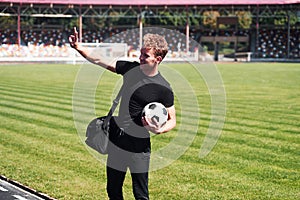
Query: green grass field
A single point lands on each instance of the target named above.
(256, 157)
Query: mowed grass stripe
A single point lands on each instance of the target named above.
(54, 111)
(257, 140)
(39, 119)
(36, 131)
(283, 129)
(41, 96)
(38, 89)
(265, 117)
(262, 149)
(266, 144)
(268, 111)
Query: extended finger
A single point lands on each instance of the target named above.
(75, 32)
(154, 121)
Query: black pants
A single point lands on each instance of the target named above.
(118, 162)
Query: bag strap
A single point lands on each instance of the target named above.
(113, 107)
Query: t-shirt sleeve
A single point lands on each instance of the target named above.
(169, 98)
(124, 66)
(167, 92)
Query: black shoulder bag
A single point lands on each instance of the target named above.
(97, 131)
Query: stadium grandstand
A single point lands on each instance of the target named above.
(256, 30)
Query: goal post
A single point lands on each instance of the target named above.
(109, 50)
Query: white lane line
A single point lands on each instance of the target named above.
(19, 197)
(3, 189)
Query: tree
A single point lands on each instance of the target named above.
(210, 18)
(7, 22)
(245, 19)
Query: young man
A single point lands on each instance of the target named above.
(142, 84)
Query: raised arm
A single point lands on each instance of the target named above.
(87, 53)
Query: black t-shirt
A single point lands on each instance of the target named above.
(139, 90)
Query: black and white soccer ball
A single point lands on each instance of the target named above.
(156, 113)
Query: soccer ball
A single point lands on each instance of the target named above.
(156, 113)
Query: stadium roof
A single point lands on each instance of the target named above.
(155, 2)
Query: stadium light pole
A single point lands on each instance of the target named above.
(288, 34)
(187, 30)
(141, 17)
(80, 25)
(19, 25)
(257, 31)
(141, 32)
